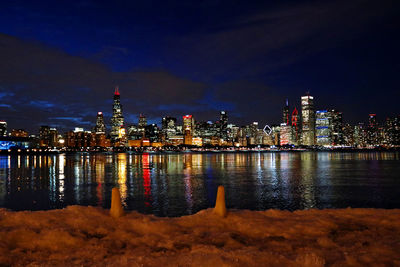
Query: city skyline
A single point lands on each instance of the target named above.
(60, 60)
(112, 124)
(315, 128)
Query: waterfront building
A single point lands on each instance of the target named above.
(360, 135)
(323, 128)
(100, 140)
(122, 137)
(392, 132)
(308, 120)
(100, 127)
(286, 135)
(396, 131)
(223, 123)
(372, 120)
(134, 133)
(275, 134)
(348, 135)
(83, 139)
(168, 126)
(69, 138)
(295, 126)
(207, 130)
(233, 132)
(14, 143)
(79, 138)
(117, 119)
(372, 131)
(197, 141)
(336, 124)
(3, 128)
(285, 117)
(175, 140)
(152, 132)
(142, 121)
(188, 124)
(187, 137)
(48, 137)
(19, 133)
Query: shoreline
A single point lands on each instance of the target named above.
(89, 236)
(194, 151)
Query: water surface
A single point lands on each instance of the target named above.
(184, 183)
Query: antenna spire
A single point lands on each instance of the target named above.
(116, 90)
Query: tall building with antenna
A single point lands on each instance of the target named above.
(285, 118)
(117, 120)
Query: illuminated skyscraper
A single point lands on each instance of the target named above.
(337, 127)
(286, 135)
(308, 120)
(285, 118)
(223, 120)
(117, 120)
(3, 128)
(169, 126)
(372, 120)
(48, 137)
(44, 136)
(188, 129)
(295, 126)
(372, 131)
(100, 127)
(142, 124)
(188, 123)
(323, 128)
(142, 121)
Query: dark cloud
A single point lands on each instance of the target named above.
(44, 84)
(273, 37)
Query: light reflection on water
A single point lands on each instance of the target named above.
(178, 184)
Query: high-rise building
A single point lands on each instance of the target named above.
(188, 129)
(308, 120)
(223, 120)
(372, 120)
(142, 121)
(44, 136)
(117, 120)
(295, 126)
(323, 128)
(134, 133)
(100, 127)
(152, 132)
(188, 124)
(372, 131)
(3, 128)
(168, 126)
(286, 135)
(48, 137)
(360, 135)
(348, 135)
(336, 127)
(285, 118)
(392, 132)
(53, 138)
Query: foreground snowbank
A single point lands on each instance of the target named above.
(88, 236)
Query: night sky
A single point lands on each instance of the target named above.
(60, 60)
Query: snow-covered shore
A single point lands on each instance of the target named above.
(88, 236)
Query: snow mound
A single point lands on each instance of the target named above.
(88, 236)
